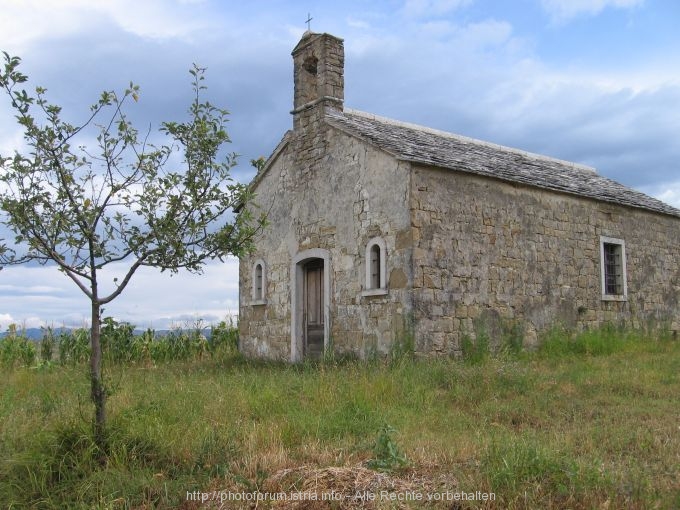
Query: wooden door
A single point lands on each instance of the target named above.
(313, 322)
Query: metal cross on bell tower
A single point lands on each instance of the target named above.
(309, 19)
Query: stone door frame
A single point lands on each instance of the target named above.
(297, 278)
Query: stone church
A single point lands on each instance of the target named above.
(380, 231)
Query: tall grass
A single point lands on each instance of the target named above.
(561, 427)
(558, 342)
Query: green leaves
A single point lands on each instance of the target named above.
(388, 456)
(10, 75)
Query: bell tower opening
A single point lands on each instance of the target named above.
(318, 69)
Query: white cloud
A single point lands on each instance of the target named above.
(671, 195)
(29, 289)
(565, 10)
(5, 320)
(668, 193)
(153, 18)
(423, 8)
(486, 33)
(357, 23)
(28, 322)
(26, 21)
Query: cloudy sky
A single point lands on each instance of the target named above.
(591, 81)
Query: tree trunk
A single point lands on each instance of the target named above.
(98, 393)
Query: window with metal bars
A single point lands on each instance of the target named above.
(375, 267)
(613, 270)
(613, 261)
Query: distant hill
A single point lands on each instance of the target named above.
(35, 333)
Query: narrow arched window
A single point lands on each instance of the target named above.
(374, 263)
(376, 276)
(259, 282)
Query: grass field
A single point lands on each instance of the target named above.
(591, 421)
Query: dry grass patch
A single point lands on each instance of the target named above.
(348, 487)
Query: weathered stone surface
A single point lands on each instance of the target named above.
(533, 256)
(398, 279)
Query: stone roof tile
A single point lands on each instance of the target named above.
(425, 146)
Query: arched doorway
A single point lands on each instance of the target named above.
(310, 280)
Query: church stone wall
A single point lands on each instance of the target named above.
(493, 255)
(335, 193)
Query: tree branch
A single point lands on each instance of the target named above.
(124, 283)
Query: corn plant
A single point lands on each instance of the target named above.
(74, 347)
(16, 349)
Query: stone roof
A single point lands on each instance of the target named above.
(425, 146)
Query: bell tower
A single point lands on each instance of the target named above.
(318, 69)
